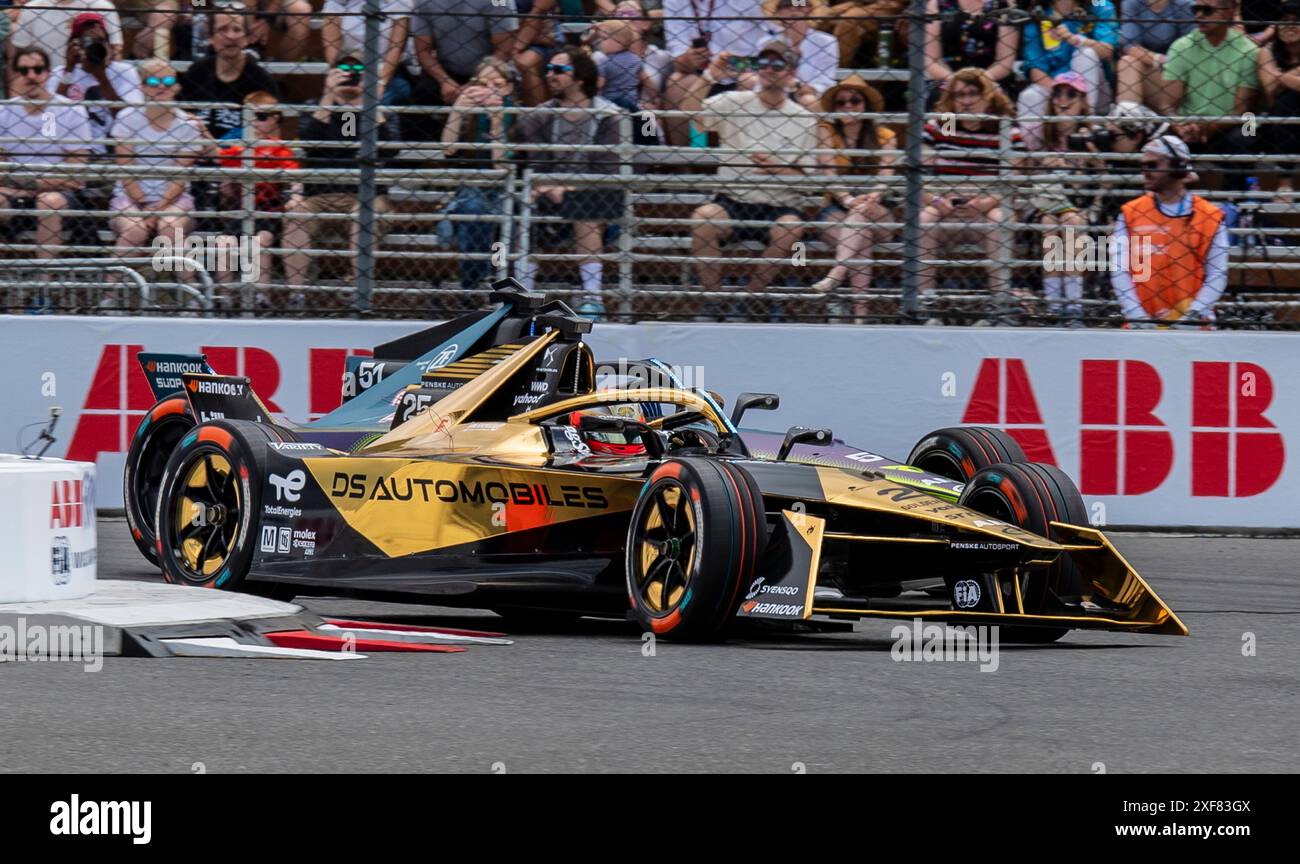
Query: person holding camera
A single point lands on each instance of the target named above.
(476, 120)
(45, 24)
(89, 75)
(329, 140)
(695, 32)
(46, 129)
(779, 135)
(819, 53)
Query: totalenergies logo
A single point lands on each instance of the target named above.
(1125, 445)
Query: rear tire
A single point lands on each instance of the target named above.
(960, 452)
(1031, 495)
(208, 506)
(155, 438)
(694, 540)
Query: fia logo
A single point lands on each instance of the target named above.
(288, 487)
(966, 594)
(286, 540)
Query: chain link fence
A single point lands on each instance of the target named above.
(939, 161)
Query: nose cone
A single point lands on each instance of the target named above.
(847, 489)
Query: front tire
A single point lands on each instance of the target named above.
(694, 540)
(1032, 495)
(155, 438)
(960, 452)
(208, 506)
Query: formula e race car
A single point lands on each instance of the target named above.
(517, 484)
(380, 387)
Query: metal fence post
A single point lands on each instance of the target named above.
(626, 158)
(248, 203)
(913, 157)
(369, 149)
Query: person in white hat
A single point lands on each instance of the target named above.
(1175, 244)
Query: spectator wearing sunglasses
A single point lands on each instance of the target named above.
(1150, 27)
(157, 136)
(537, 38)
(574, 81)
(269, 196)
(451, 38)
(696, 32)
(852, 212)
(1182, 267)
(49, 130)
(819, 53)
(344, 32)
(1069, 36)
(329, 141)
(227, 74)
(45, 24)
(1213, 72)
(86, 76)
(781, 135)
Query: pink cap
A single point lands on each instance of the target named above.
(1071, 79)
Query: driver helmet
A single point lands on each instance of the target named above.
(612, 443)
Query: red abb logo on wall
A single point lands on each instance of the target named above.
(119, 394)
(1125, 446)
(1004, 397)
(67, 507)
(1232, 453)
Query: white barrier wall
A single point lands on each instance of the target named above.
(47, 529)
(1158, 428)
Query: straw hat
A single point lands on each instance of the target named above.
(875, 102)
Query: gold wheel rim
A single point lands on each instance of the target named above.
(666, 548)
(207, 515)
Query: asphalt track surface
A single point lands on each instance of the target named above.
(581, 697)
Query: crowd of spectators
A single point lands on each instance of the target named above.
(769, 83)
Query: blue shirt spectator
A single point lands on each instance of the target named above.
(1154, 24)
(1049, 50)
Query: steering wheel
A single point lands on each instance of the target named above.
(684, 441)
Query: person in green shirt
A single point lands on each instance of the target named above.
(1212, 72)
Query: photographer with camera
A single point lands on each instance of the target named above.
(330, 140)
(695, 32)
(45, 24)
(89, 75)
